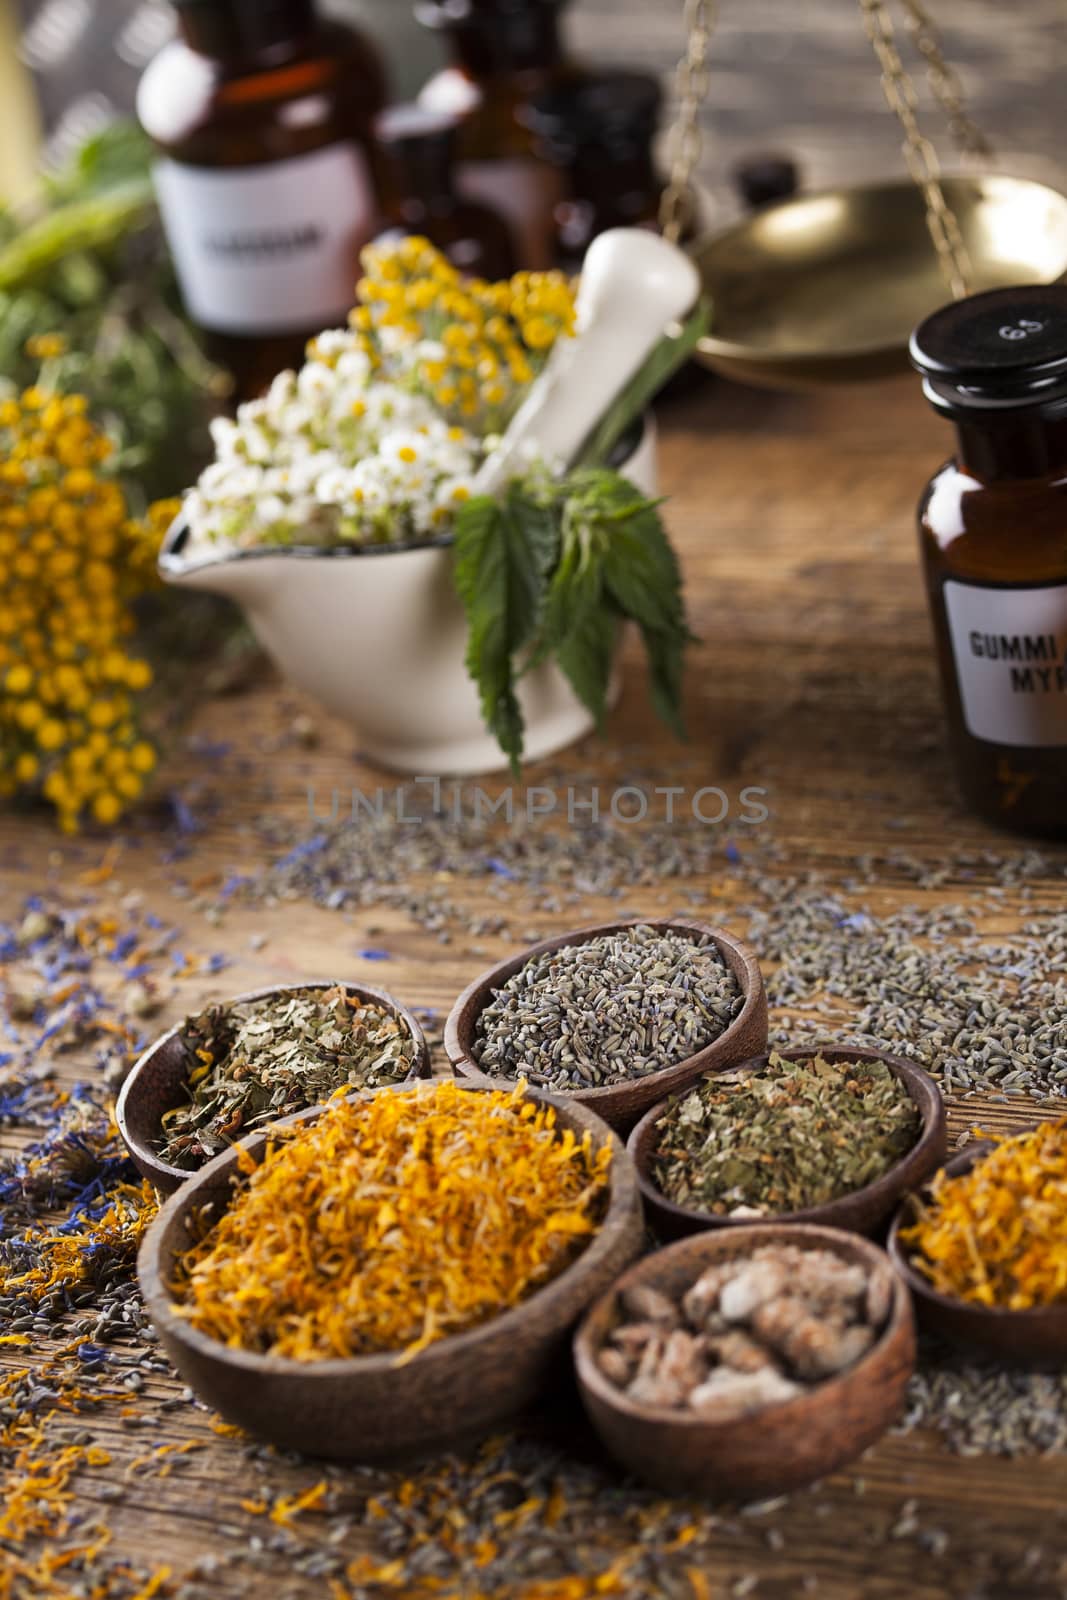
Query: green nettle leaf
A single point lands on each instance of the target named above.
(579, 630)
(586, 656)
(552, 577)
(641, 575)
(504, 554)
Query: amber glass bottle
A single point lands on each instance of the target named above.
(418, 149)
(506, 52)
(993, 525)
(598, 130)
(263, 115)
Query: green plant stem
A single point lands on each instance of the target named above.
(660, 365)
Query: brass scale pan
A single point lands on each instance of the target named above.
(826, 287)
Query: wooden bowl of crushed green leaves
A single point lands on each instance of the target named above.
(391, 1274)
(241, 1063)
(613, 1016)
(824, 1134)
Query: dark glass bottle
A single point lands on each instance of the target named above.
(506, 52)
(993, 526)
(263, 116)
(422, 198)
(598, 131)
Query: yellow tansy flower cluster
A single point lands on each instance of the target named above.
(472, 347)
(71, 560)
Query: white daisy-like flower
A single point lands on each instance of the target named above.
(334, 453)
(333, 342)
(353, 365)
(316, 383)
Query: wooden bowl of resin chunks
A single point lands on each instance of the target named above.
(825, 1134)
(362, 1237)
(1032, 1337)
(612, 1017)
(746, 1363)
(190, 1095)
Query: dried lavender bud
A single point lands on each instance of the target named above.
(616, 1007)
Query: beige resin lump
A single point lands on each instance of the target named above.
(750, 1332)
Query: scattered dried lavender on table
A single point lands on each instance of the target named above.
(616, 1007)
(528, 1517)
(263, 1059)
(792, 1135)
(980, 1011)
(983, 1409)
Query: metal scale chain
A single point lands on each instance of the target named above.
(919, 153)
(677, 206)
(948, 91)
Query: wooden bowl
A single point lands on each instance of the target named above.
(157, 1079)
(768, 1452)
(1036, 1339)
(620, 1104)
(367, 1408)
(864, 1211)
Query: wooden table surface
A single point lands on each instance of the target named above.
(814, 679)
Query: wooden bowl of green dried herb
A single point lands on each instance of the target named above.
(747, 1363)
(983, 1249)
(825, 1134)
(614, 1016)
(392, 1274)
(261, 1056)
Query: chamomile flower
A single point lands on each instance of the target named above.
(379, 437)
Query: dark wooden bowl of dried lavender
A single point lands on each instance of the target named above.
(387, 1407)
(756, 1398)
(614, 1035)
(171, 1130)
(768, 1138)
(1035, 1338)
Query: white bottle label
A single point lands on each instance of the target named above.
(1010, 647)
(268, 249)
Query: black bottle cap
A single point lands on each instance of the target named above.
(609, 110)
(1003, 349)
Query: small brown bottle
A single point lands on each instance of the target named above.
(506, 52)
(993, 527)
(597, 129)
(418, 148)
(263, 116)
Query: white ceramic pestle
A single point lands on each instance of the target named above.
(634, 285)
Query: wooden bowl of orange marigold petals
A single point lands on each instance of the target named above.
(394, 1273)
(983, 1248)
